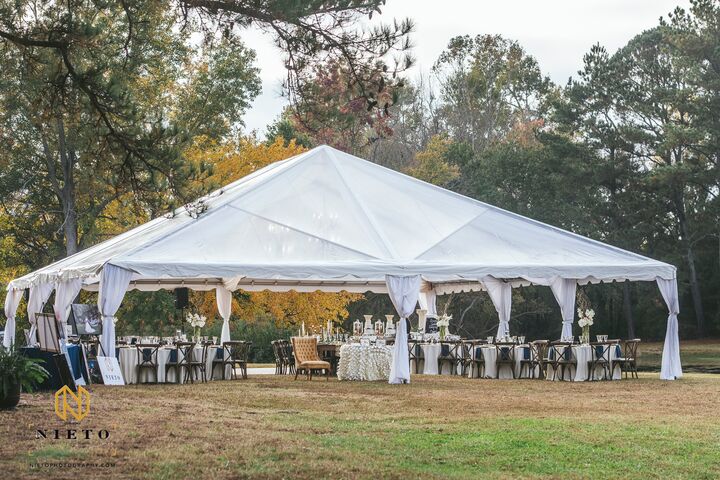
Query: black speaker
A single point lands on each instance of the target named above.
(181, 298)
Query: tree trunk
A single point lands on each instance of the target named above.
(690, 257)
(67, 162)
(627, 309)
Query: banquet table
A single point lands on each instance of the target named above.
(364, 362)
(429, 360)
(583, 354)
(128, 357)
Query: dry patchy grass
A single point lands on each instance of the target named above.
(436, 427)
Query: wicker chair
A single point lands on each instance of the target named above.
(628, 361)
(307, 358)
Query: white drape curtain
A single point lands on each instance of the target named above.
(671, 367)
(224, 303)
(564, 290)
(12, 301)
(428, 302)
(65, 293)
(501, 295)
(37, 299)
(404, 292)
(114, 282)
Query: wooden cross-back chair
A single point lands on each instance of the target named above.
(307, 358)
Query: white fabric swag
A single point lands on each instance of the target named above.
(501, 295)
(65, 293)
(404, 292)
(224, 303)
(12, 301)
(114, 282)
(428, 302)
(37, 299)
(564, 290)
(671, 368)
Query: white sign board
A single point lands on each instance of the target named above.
(110, 371)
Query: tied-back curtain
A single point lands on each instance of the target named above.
(564, 290)
(12, 301)
(37, 299)
(65, 293)
(224, 303)
(404, 293)
(501, 295)
(671, 367)
(114, 282)
(428, 302)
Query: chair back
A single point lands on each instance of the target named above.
(505, 352)
(631, 348)
(237, 351)
(600, 350)
(147, 354)
(538, 350)
(305, 349)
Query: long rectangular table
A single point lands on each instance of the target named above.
(128, 359)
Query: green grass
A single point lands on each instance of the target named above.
(696, 356)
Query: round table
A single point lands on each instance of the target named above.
(364, 362)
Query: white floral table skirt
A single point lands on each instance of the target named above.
(128, 359)
(583, 354)
(364, 362)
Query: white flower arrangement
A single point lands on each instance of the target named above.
(586, 317)
(196, 320)
(444, 321)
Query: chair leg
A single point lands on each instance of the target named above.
(296, 373)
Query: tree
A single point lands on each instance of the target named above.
(98, 102)
(488, 84)
(431, 165)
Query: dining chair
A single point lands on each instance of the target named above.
(628, 361)
(505, 357)
(190, 361)
(477, 358)
(599, 357)
(533, 357)
(560, 358)
(465, 356)
(288, 356)
(448, 354)
(416, 353)
(147, 359)
(277, 352)
(235, 354)
(173, 363)
(307, 358)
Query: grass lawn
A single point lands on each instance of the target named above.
(436, 427)
(701, 356)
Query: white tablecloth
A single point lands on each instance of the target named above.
(128, 359)
(364, 362)
(583, 354)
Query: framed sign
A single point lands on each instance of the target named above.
(85, 319)
(110, 371)
(47, 331)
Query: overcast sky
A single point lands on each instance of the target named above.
(556, 32)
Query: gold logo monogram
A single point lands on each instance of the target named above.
(80, 407)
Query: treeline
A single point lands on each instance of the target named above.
(627, 153)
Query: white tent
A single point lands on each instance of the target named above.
(326, 220)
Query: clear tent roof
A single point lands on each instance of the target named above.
(326, 215)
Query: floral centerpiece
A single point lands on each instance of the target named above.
(196, 321)
(443, 323)
(586, 320)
